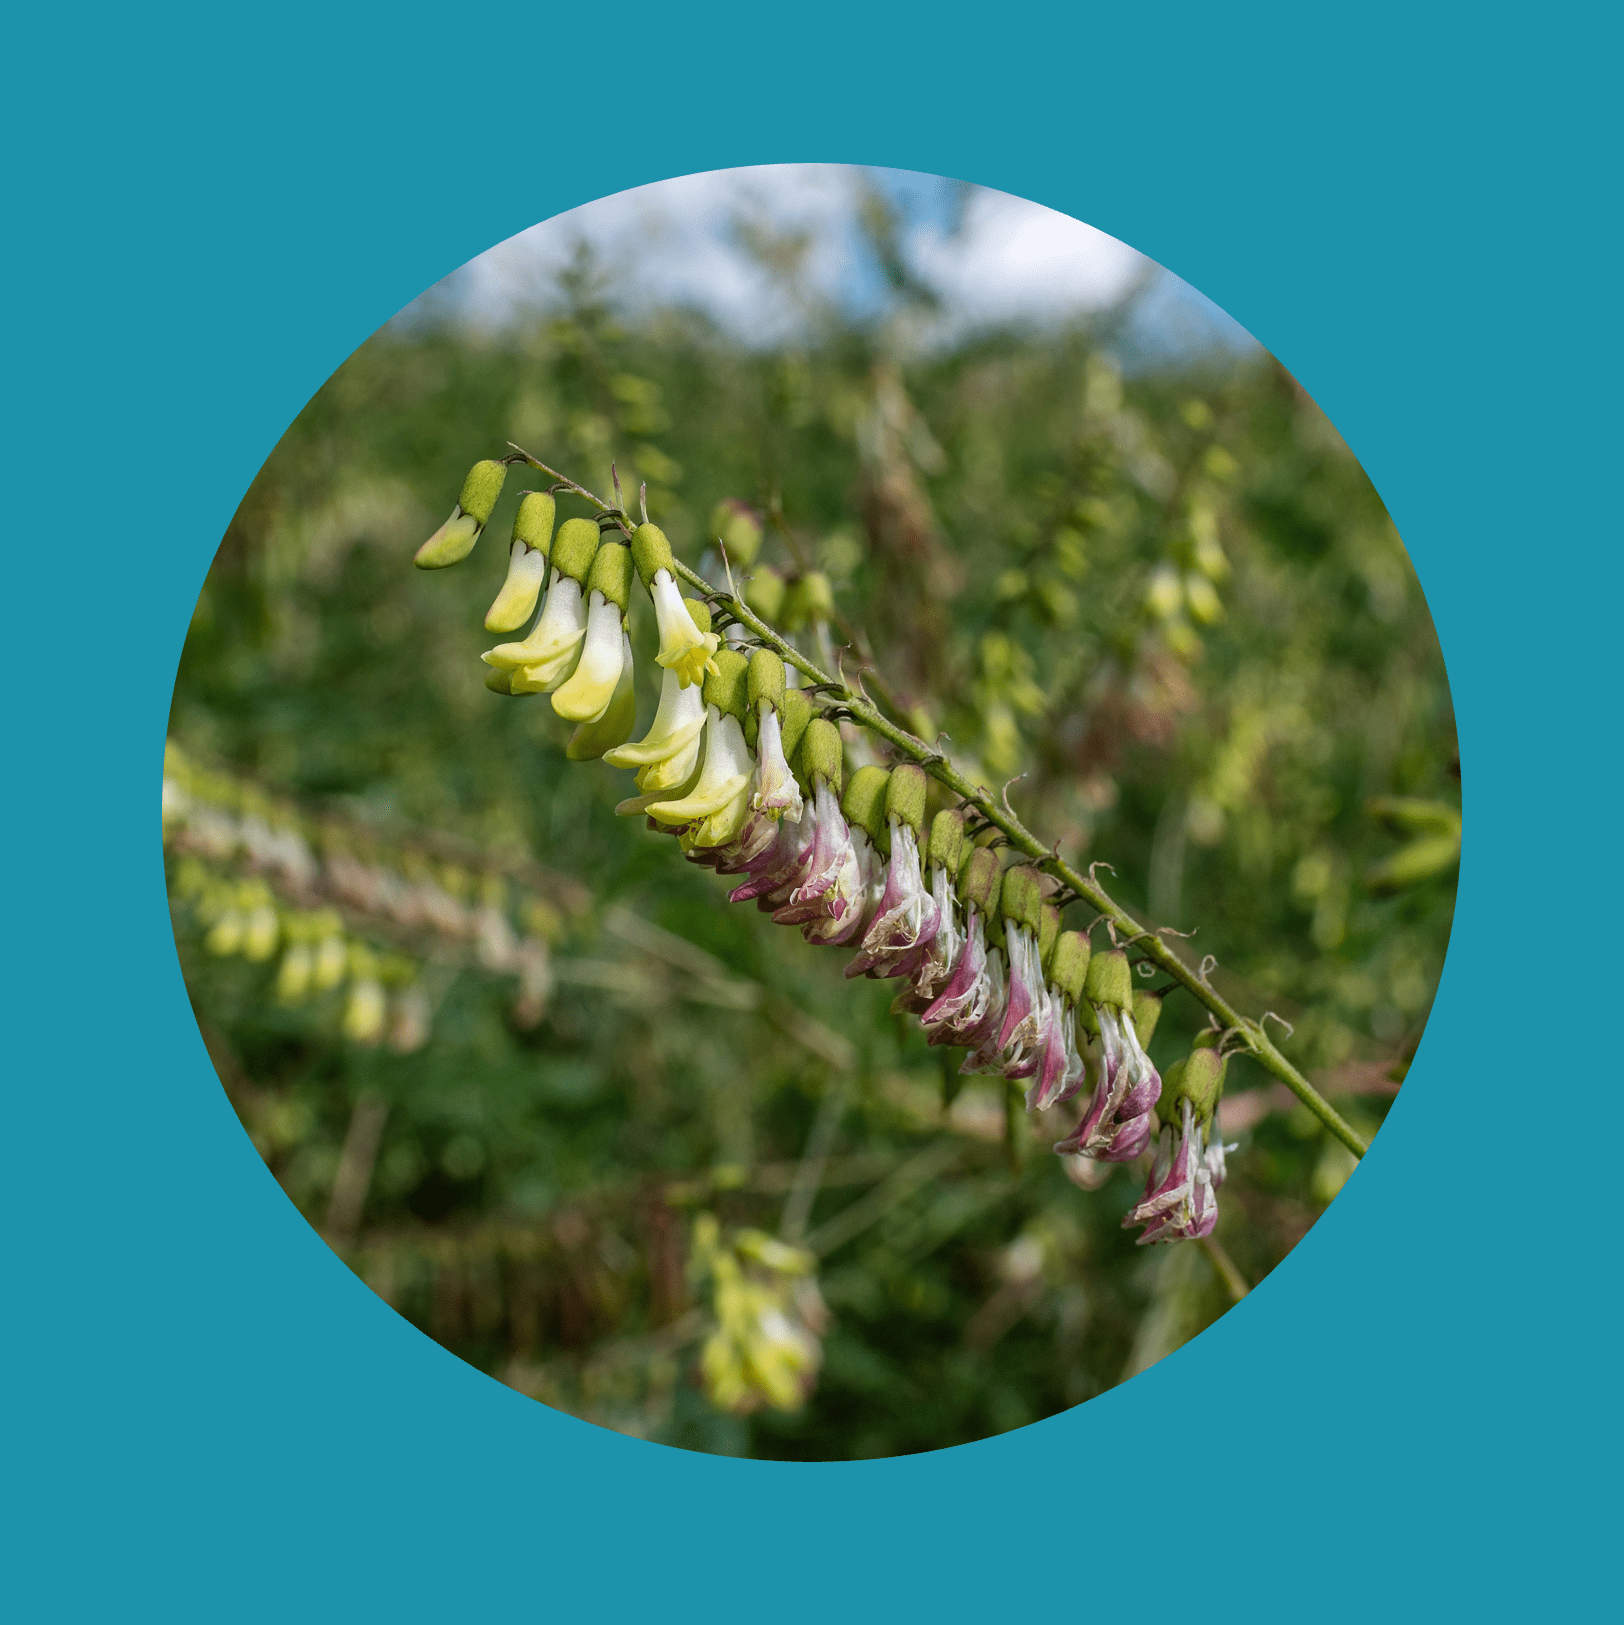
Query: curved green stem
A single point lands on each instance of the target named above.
(997, 812)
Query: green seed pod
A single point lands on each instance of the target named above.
(739, 531)
(947, 840)
(1147, 1011)
(1048, 936)
(766, 679)
(1203, 1081)
(574, 548)
(1110, 980)
(764, 592)
(864, 801)
(728, 687)
(981, 880)
(699, 613)
(533, 523)
(653, 553)
(794, 713)
(822, 755)
(905, 796)
(611, 574)
(1021, 901)
(810, 598)
(1068, 969)
(481, 489)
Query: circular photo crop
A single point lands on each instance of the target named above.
(811, 813)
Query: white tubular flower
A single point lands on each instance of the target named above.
(776, 790)
(665, 757)
(685, 648)
(527, 563)
(455, 539)
(723, 779)
(545, 658)
(615, 723)
(586, 695)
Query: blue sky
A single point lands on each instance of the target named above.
(990, 257)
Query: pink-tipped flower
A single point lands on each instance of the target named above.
(929, 967)
(830, 876)
(1181, 1196)
(906, 915)
(1117, 1125)
(1061, 1069)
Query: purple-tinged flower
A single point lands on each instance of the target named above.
(1181, 1196)
(906, 915)
(1117, 1125)
(830, 877)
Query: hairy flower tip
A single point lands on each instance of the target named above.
(1180, 1203)
(685, 648)
(1117, 1125)
(545, 659)
(906, 915)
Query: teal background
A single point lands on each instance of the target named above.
(207, 216)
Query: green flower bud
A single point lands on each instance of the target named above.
(574, 548)
(1167, 1103)
(947, 839)
(1068, 968)
(822, 755)
(1203, 1081)
(533, 523)
(611, 574)
(764, 592)
(981, 880)
(653, 553)
(1021, 900)
(766, 679)
(1048, 936)
(810, 598)
(864, 801)
(905, 796)
(794, 713)
(1147, 1011)
(481, 489)
(1110, 980)
(739, 531)
(728, 687)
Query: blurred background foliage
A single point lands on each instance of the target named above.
(1168, 597)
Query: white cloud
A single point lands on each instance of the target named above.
(677, 242)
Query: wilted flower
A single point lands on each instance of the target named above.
(1117, 1125)
(1180, 1201)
